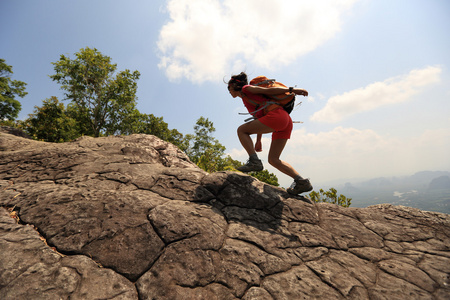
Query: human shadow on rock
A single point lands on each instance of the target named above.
(244, 199)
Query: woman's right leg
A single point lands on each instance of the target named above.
(300, 185)
(276, 147)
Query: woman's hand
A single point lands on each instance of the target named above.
(300, 92)
(258, 144)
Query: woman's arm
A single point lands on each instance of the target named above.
(274, 90)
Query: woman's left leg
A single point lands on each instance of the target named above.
(276, 147)
(245, 130)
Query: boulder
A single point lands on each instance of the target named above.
(130, 217)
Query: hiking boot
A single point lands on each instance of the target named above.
(300, 186)
(252, 165)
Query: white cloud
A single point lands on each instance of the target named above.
(353, 153)
(393, 90)
(311, 99)
(238, 154)
(206, 38)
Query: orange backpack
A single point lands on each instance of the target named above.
(285, 100)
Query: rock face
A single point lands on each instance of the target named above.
(132, 218)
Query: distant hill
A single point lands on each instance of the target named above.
(426, 190)
(442, 182)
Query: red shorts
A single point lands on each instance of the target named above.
(280, 121)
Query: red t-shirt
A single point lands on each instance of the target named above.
(256, 98)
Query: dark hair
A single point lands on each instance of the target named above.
(237, 82)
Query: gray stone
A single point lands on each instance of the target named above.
(30, 269)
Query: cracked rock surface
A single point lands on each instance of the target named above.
(130, 217)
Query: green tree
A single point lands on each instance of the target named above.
(9, 90)
(330, 197)
(149, 124)
(203, 149)
(82, 123)
(206, 151)
(102, 101)
(50, 122)
(266, 177)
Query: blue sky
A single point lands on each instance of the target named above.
(377, 71)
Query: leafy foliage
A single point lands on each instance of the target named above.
(203, 149)
(330, 197)
(51, 122)
(102, 102)
(9, 90)
(150, 124)
(206, 151)
(266, 177)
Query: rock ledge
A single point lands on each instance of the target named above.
(132, 218)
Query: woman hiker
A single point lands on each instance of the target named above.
(277, 121)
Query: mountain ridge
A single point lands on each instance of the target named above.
(415, 191)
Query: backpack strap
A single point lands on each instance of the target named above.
(250, 100)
